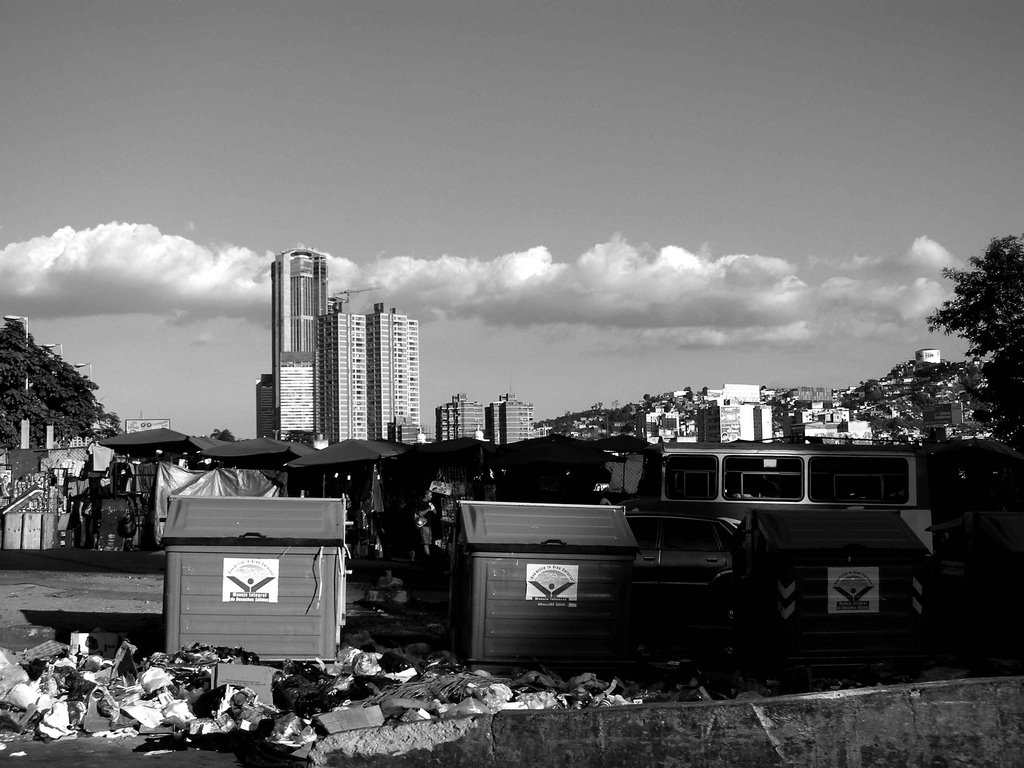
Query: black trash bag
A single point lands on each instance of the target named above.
(289, 689)
(392, 662)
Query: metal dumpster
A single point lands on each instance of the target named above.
(541, 583)
(980, 570)
(263, 574)
(825, 590)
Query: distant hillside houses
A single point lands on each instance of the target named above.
(918, 399)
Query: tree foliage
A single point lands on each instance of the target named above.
(223, 434)
(56, 394)
(987, 309)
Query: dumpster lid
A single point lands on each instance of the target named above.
(510, 526)
(1004, 528)
(254, 520)
(793, 529)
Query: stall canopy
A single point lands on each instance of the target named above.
(149, 441)
(973, 474)
(553, 449)
(459, 448)
(203, 443)
(348, 451)
(621, 443)
(259, 452)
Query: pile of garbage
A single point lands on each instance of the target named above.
(200, 694)
(227, 699)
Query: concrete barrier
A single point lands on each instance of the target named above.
(973, 722)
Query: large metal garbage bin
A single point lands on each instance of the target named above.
(541, 583)
(263, 574)
(823, 591)
(980, 569)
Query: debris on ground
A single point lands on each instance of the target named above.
(55, 691)
(206, 697)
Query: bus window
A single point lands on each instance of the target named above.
(691, 477)
(882, 480)
(759, 477)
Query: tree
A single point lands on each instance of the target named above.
(987, 310)
(56, 393)
(223, 434)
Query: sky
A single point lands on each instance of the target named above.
(580, 202)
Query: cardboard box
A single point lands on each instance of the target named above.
(98, 641)
(257, 677)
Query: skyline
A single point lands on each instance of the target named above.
(578, 206)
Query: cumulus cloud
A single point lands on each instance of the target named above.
(927, 254)
(131, 268)
(669, 297)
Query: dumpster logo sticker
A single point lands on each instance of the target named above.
(552, 583)
(247, 580)
(853, 590)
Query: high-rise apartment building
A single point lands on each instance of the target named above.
(461, 417)
(509, 420)
(342, 395)
(265, 405)
(392, 374)
(335, 374)
(299, 295)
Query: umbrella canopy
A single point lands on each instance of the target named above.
(257, 447)
(348, 451)
(203, 443)
(257, 453)
(148, 441)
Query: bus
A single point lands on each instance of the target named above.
(726, 480)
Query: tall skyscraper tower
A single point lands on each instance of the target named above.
(299, 295)
(341, 411)
(265, 405)
(392, 374)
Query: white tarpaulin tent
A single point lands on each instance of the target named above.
(173, 480)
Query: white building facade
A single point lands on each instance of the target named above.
(342, 411)
(392, 374)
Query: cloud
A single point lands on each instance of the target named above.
(658, 297)
(132, 268)
(927, 254)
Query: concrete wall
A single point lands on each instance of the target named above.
(977, 722)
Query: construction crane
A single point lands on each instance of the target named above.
(341, 298)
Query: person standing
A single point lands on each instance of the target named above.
(423, 521)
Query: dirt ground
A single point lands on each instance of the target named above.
(47, 596)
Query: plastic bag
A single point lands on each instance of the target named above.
(10, 676)
(466, 708)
